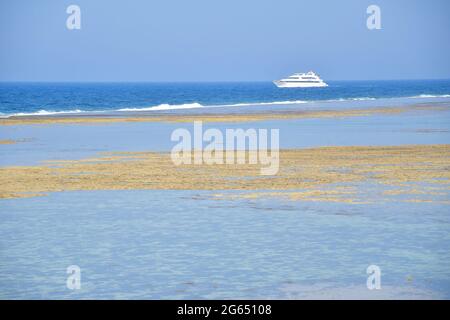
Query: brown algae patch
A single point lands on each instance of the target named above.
(312, 171)
(7, 141)
(20, 195)
(211, 117)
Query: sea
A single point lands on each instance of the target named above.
(72, 98)
(186, 244)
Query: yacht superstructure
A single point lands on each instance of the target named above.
(301, 80)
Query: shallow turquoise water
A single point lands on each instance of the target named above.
(181, 244)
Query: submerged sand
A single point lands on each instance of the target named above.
(316, 174)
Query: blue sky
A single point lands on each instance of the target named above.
(222, 40)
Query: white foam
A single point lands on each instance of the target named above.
(41, 113)
(263, 103)
(431, 96)
(350, 99)
(363, 99)
(165, 106)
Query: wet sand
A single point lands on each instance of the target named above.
(214, 117)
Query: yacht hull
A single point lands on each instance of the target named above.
(285, 84)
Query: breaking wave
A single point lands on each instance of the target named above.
(193, 105)
(40, 113)
(431, 96)
(165, 106)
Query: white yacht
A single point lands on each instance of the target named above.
(301, 80)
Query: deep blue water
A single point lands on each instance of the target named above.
(56, 97)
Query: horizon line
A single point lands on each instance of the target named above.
(204, 81)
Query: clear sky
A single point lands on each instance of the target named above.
(222, 40)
